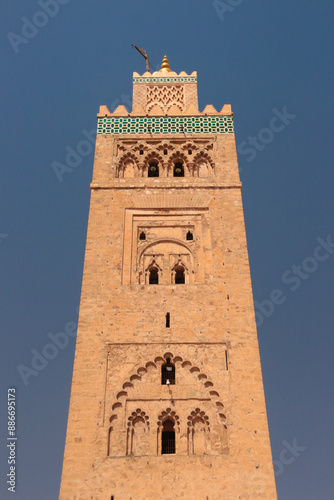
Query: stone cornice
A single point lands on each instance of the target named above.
(164, 185)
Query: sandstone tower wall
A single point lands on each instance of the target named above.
(166, 228)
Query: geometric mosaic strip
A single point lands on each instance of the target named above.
(165, 80)
(152, 125)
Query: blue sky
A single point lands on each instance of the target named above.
(267, 59)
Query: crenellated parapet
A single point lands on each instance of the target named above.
(167, 94)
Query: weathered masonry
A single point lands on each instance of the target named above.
(167, 396)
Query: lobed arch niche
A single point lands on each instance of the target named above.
(168, 428)
(170, 258)
(180, 273)
(153, 273)
(203, 166)
(127, 167)
(198, 432)
(178, 165)
(140, 426)
(152, 165)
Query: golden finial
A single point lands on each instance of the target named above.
(165, 65)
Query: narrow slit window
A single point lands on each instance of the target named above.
(165, 151)
(141, 152)
(142, 236)
(167, 320)
(190, 236)
(190, 152)
(168, 373)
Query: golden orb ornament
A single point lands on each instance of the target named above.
(165, 65)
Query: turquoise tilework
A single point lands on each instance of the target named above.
(166, 125)
(185, 79)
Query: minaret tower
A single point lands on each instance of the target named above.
(167, 396)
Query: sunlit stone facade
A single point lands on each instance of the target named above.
(167, 396)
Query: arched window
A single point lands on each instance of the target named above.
(190, 236)
(153, 170)
(178, 170)
(154, 276)
(142, 236)
(168, 373)
(168, 438)
(179, 276)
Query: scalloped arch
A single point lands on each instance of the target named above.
(202, 377)
(203, 155)
(168, 355)
(141, 370)
(153, 105)
(194, 369)
(177, 156)
(167, 414)
(178, 107)
(138, 414)
(177, 359)
(166, 145)
(150, 364)
(197, 414)
(186, 363)
(153, 156)
(127, 384)
(121, 394)
(190, 145)
(127, 155)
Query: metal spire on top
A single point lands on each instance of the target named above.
(144, 54)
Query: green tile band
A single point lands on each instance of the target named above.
(185, 79)
(166, 125)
